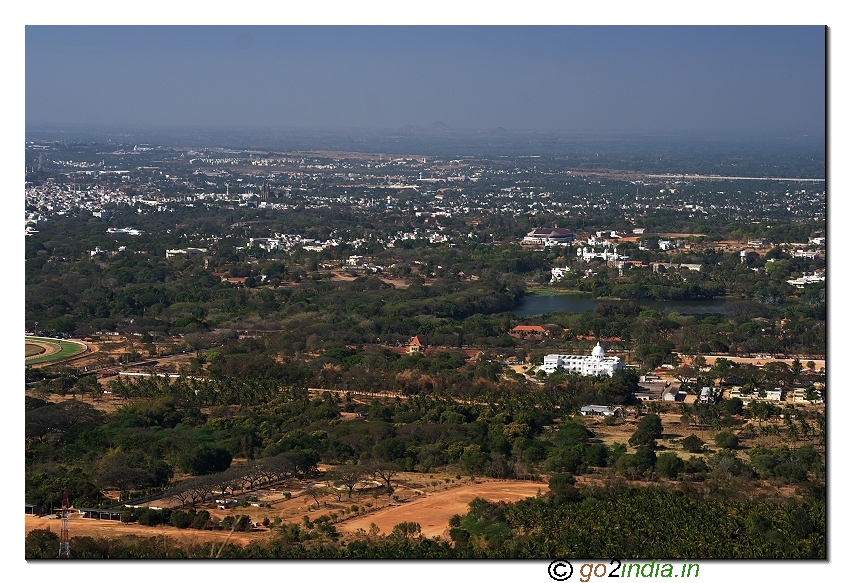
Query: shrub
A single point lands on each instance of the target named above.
(148, 517)
(649, 429)
(692, 444)
(697, 467)
(596, 455)
(562, 459)
(669, 465)
(206, 460)
(563, 486)
(726, 440)
(645, 458)
(790, 472)
(181, 519)
(200, 520)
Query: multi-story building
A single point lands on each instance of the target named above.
(595, 364)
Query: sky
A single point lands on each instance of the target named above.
(542, 78)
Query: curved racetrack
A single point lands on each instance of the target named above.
(42, 350)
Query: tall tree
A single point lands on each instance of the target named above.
(347, 475)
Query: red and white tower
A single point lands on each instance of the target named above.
(65, 530)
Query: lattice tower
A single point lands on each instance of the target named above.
(65, 530)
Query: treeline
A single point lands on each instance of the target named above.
(71, 446)
(169, 297)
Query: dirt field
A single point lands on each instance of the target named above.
(35, 348)
(431, 510)
(819, 363)
(107, 528)
(434, 510)
(341, 275)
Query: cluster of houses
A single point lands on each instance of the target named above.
(361, 263)
(796, 395)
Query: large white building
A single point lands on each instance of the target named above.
(595, 364)
(548, 236)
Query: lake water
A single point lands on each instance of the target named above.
(534, 304)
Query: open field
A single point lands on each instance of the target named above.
(675, 430)
(342, 275)
(37, 348)
(434, 510)
(80, 526)
(819, 363)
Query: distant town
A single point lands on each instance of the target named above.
(337, 353)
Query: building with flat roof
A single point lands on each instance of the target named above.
(549, 236)
(595, 364)
(603, 410)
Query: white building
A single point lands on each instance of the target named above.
(587, 253)
(558, 273)
(188, 252)
(805, 280)
(774, 395)
(548, 236)
(595, 364)
(708, 395)
(603, 410)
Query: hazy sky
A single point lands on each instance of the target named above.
(762, 78)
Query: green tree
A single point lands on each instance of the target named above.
(563, 486)
(206, 460)
(383, 471)
(347, 475)
(669, 465)
(721, 369)
(407, 530)
(200, 520)
(41, 543)
(562, 459)
(648, 430)
(473, 460)
(181, 519)
(692, 444)
(124, 478)
(726, 440)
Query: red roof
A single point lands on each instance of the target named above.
(527, 328)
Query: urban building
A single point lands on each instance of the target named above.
(595, 364)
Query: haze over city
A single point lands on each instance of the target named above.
(722, 79)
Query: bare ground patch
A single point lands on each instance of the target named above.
(80, 526)
(433, 510)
